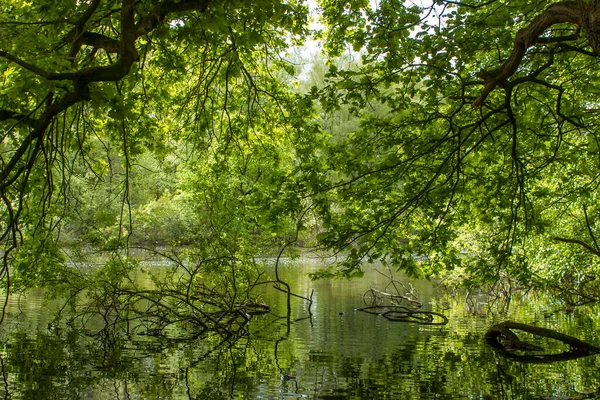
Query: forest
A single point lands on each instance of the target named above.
(455, 140)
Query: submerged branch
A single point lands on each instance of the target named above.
(501, 338)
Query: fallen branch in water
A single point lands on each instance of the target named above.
(505, 342)
(377, 297)
(405, 314)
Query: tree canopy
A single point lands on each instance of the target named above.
(446, 137)
(477, 140)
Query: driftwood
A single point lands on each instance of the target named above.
(505, 342)
(419, 317)
(376, 297)
(405, 314)
(256, 308)
(379, 310)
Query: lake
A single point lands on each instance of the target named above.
(333, 352)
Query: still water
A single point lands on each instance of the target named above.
(333, 352)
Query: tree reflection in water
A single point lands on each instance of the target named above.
(336, 353)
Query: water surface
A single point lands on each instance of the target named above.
(332, 352)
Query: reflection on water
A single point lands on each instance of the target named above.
(339, 352)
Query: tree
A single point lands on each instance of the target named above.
(486, 161)
(469, 139)
(91, 88)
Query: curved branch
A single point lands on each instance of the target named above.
(76, 33)
(564, 12)
(100, 41)
(160, 12)
(118, 70)
(126, 49)
(501, 338)
(144, 26)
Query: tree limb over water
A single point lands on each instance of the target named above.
(583, 14)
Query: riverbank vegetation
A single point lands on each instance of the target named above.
(453, 139)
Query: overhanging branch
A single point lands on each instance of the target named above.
(76, 33)
(580, 243)
(125, 47)
(580, 13)
(29, 67)
(127, 56)
(160, 12)
(6, 115)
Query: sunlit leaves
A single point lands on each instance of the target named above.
(377, 149)
(454, 186)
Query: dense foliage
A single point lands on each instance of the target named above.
(456, 136)
(476, 147)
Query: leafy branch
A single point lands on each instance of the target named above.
(584, 15)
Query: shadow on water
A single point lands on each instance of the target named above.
(338, 352)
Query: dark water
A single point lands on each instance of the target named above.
(336, 353)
